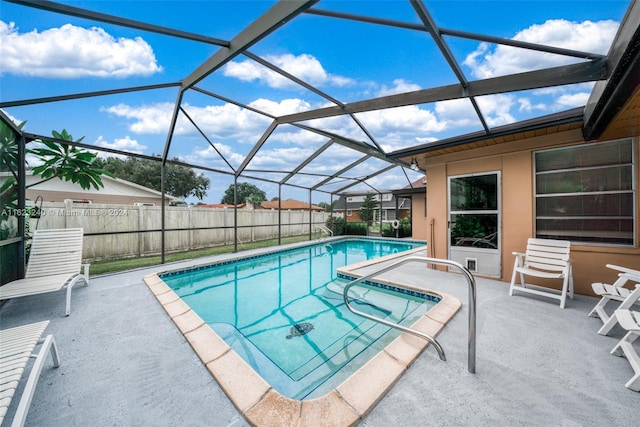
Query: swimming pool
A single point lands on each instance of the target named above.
(284, 312)
(259, 402)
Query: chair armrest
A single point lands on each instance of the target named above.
(631, 277)
(624, 269)
(519, 254)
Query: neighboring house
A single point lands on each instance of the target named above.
(115, 192)
(218, 206)
(290, 205)
(571, 176)
(392, 207)
(416, 192)
(285, 205)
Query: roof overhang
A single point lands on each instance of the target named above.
(553, 123)
(613, 109)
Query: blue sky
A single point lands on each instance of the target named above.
(47, 54)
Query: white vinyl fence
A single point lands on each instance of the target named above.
(208, 227)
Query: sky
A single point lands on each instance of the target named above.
(46, 54)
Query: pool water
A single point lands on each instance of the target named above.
(284, 312)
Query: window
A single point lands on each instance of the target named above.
(586, 193)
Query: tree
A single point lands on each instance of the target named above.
(328, 207)
(180, 181)
(246, 192)
(67, 162)
(367, 209)
(55, 160)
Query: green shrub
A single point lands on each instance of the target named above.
(337, 225)
(356, 228)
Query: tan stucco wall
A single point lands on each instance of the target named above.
(514, 160)
(61, 196)
(419, 224)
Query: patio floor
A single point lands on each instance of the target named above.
(125, 363)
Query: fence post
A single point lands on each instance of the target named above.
(141, 224)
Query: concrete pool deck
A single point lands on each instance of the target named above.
(125, 363)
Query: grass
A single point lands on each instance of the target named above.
(123, 264)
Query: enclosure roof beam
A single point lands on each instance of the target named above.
(31, 137)
(291, 77)
(456, 33)
(361, 180)
(231, 101)
(74, 96)
(341, 171)
(116, 20)
(425, 17)
(351, 143)
(556, 76)
(307, 161)
(278, 15)
(207, 139)
(258, 145)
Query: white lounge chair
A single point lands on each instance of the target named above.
(55, 262)
(16, 348)
(547, 259)
(629, 320)
(615, 292)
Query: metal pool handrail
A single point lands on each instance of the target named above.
(325, 229)
(471, 363)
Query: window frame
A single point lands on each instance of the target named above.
(633, 190)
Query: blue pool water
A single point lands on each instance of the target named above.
(283, 312)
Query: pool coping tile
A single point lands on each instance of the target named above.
(206, 343)
(242, 385)
(345, 405)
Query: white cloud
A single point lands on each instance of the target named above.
(572, 100)
(528, 107)
(588, 36)
(210, 155)
(284, 107)
(74, 52)
(219, 121)
(305, 67)
(123, 144)
(456, 113)
(497, 109)
(147, 119)
(399, 86)
(403, 119)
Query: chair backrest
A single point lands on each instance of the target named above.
(546, 254)
(55, 252)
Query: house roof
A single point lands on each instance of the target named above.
(294, 205)
(405, 203)
(112, 187)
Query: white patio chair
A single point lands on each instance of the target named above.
(16, 348)
(55, 262)
(631, 299)
(629, 320)
(615, 292)
(547, 259)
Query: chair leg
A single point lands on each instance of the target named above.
(625, 348)
(598, 310)
(49, 345)
(69, 288)
(608, 325)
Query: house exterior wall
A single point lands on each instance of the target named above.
(419, 224)
(107, 199)
(514, 161)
